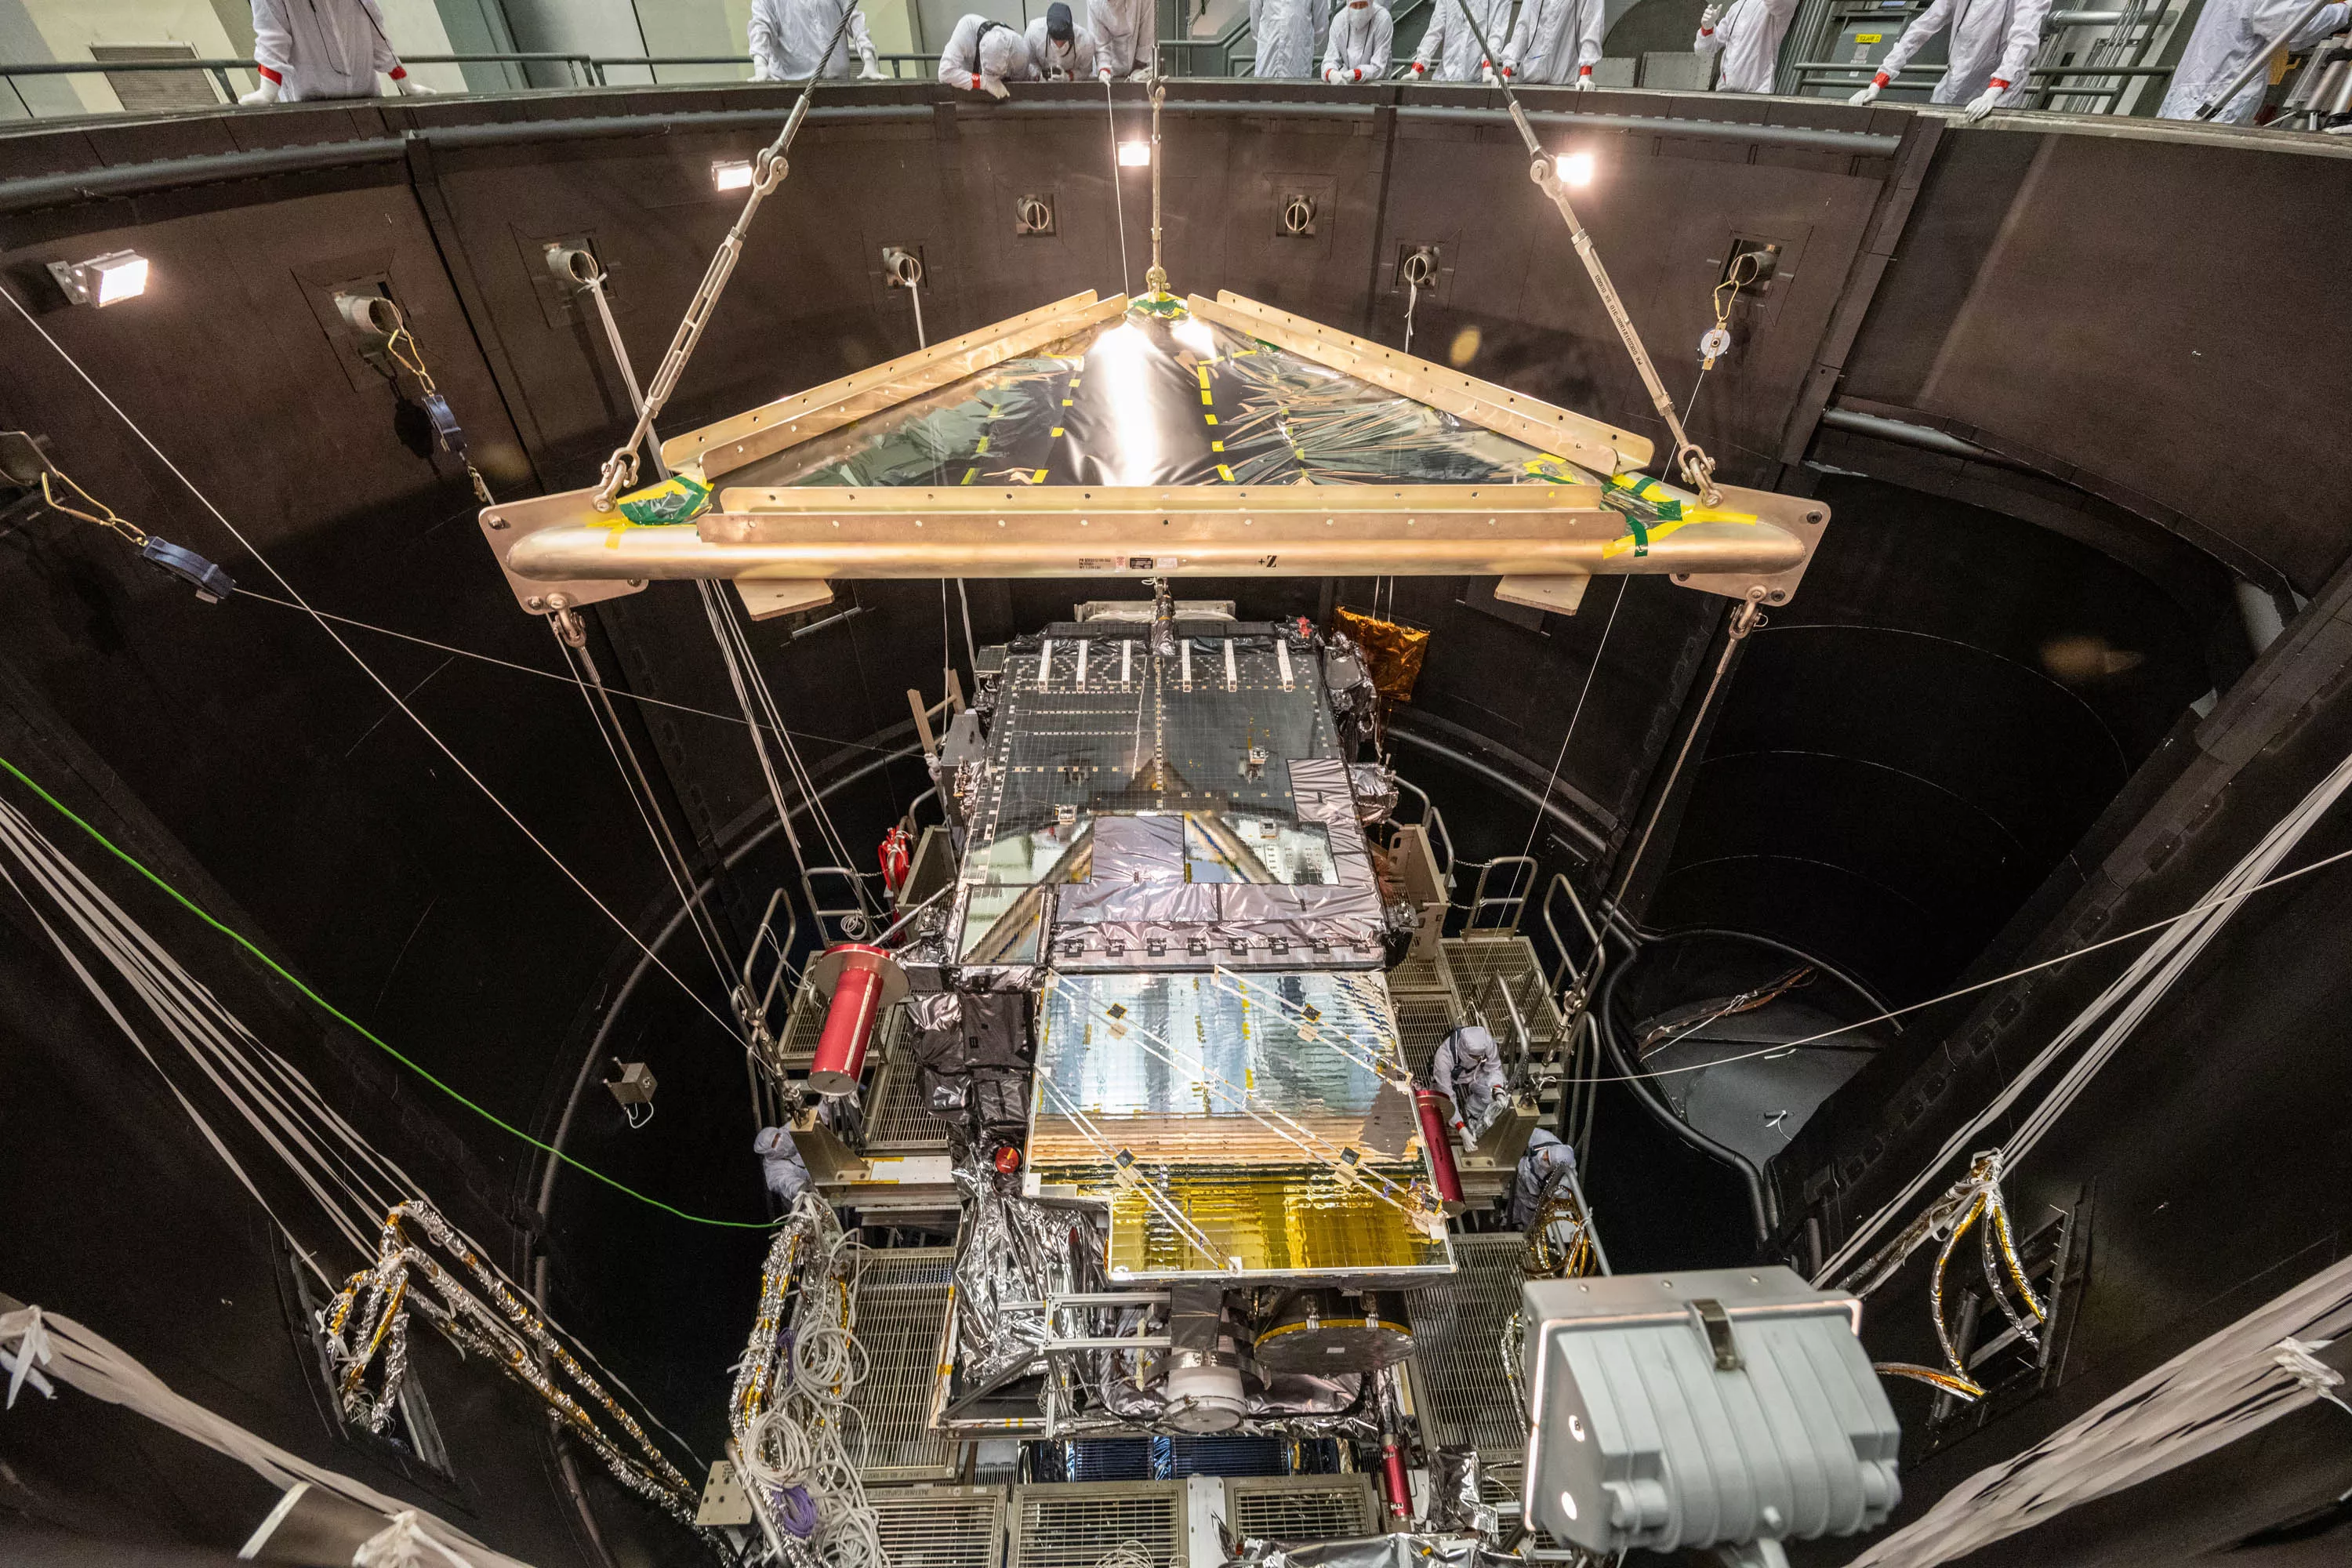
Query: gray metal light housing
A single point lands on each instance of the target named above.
(1720, 1406)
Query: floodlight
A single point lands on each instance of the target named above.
(1135, 155)
(732, 174)
(1577, 168)
(106, 279)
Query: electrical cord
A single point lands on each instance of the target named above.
(353, 1025)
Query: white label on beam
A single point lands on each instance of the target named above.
(1126, 661)
(1232, 679)
(1185, 647)
(1044, 663)
(1282, 656)
(1084, 644)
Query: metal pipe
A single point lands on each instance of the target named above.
(1868, 144)
(1906, 434)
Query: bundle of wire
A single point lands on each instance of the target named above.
(797, 1437)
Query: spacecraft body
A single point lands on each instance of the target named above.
(1164, 871)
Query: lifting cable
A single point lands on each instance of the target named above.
(351, 1179)
(1695, 465)
(369, 670)
(1785, 1046)
(768, 172)
(343, 1018)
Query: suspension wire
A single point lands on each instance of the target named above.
(1743, 620)
(209, 1033)
(1125, 270)
(633, 778)
(280, 969)
(1560, 756)
(970, 648)
(244, 593)
(368, 669)
(2067, 957)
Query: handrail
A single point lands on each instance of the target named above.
(1566, 966)
(754, 1003)
(1517, 902)
(1432, 822)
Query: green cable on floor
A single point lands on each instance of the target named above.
(361, 1029)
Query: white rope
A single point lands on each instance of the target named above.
(83, 1361)
(2234, 1383)
(1576, 713)
(368, 669)
(353, 1182)
(259, 598)
(2128, 998)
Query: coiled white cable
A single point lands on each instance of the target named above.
(810, 1437)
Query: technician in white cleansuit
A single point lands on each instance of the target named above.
(1285, 34)
(1058, 50)
(1556, 41)
(2229, 33)
(983, 55)
(1359, 44)
(307, 49)
(1993, 43)
(1449, 49)
(787, 36)
(1747, 34)
(1123, 34)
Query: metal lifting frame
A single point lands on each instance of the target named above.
(1696, 467)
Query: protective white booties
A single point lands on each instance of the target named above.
(266, 93)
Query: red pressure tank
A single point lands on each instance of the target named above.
(1396, 1485)
(1437, 1137)
(860, 981)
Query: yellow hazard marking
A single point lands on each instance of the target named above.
(967, 476)
(981, 449)
(1210, 418)
(1658, 531)
(1206, 397)
(1224, 473)
(1216, 445)
(1040, 478)
(1057, 432)
(1066, 402)
(1203, 372)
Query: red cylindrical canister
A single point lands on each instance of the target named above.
(1437, 1112)
(1395, 1486)
(849, 1017)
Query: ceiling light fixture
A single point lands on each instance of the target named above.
(1135, 155)
(1577, 168)
(106, 279)
(734, 174)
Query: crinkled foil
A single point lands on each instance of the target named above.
(1402, 1550)
(1455, 1501)
(1393, 649)
(1015, 1253)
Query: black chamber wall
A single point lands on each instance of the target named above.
(351, 845)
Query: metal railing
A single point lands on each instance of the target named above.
(2048, 81)
(580, 71)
